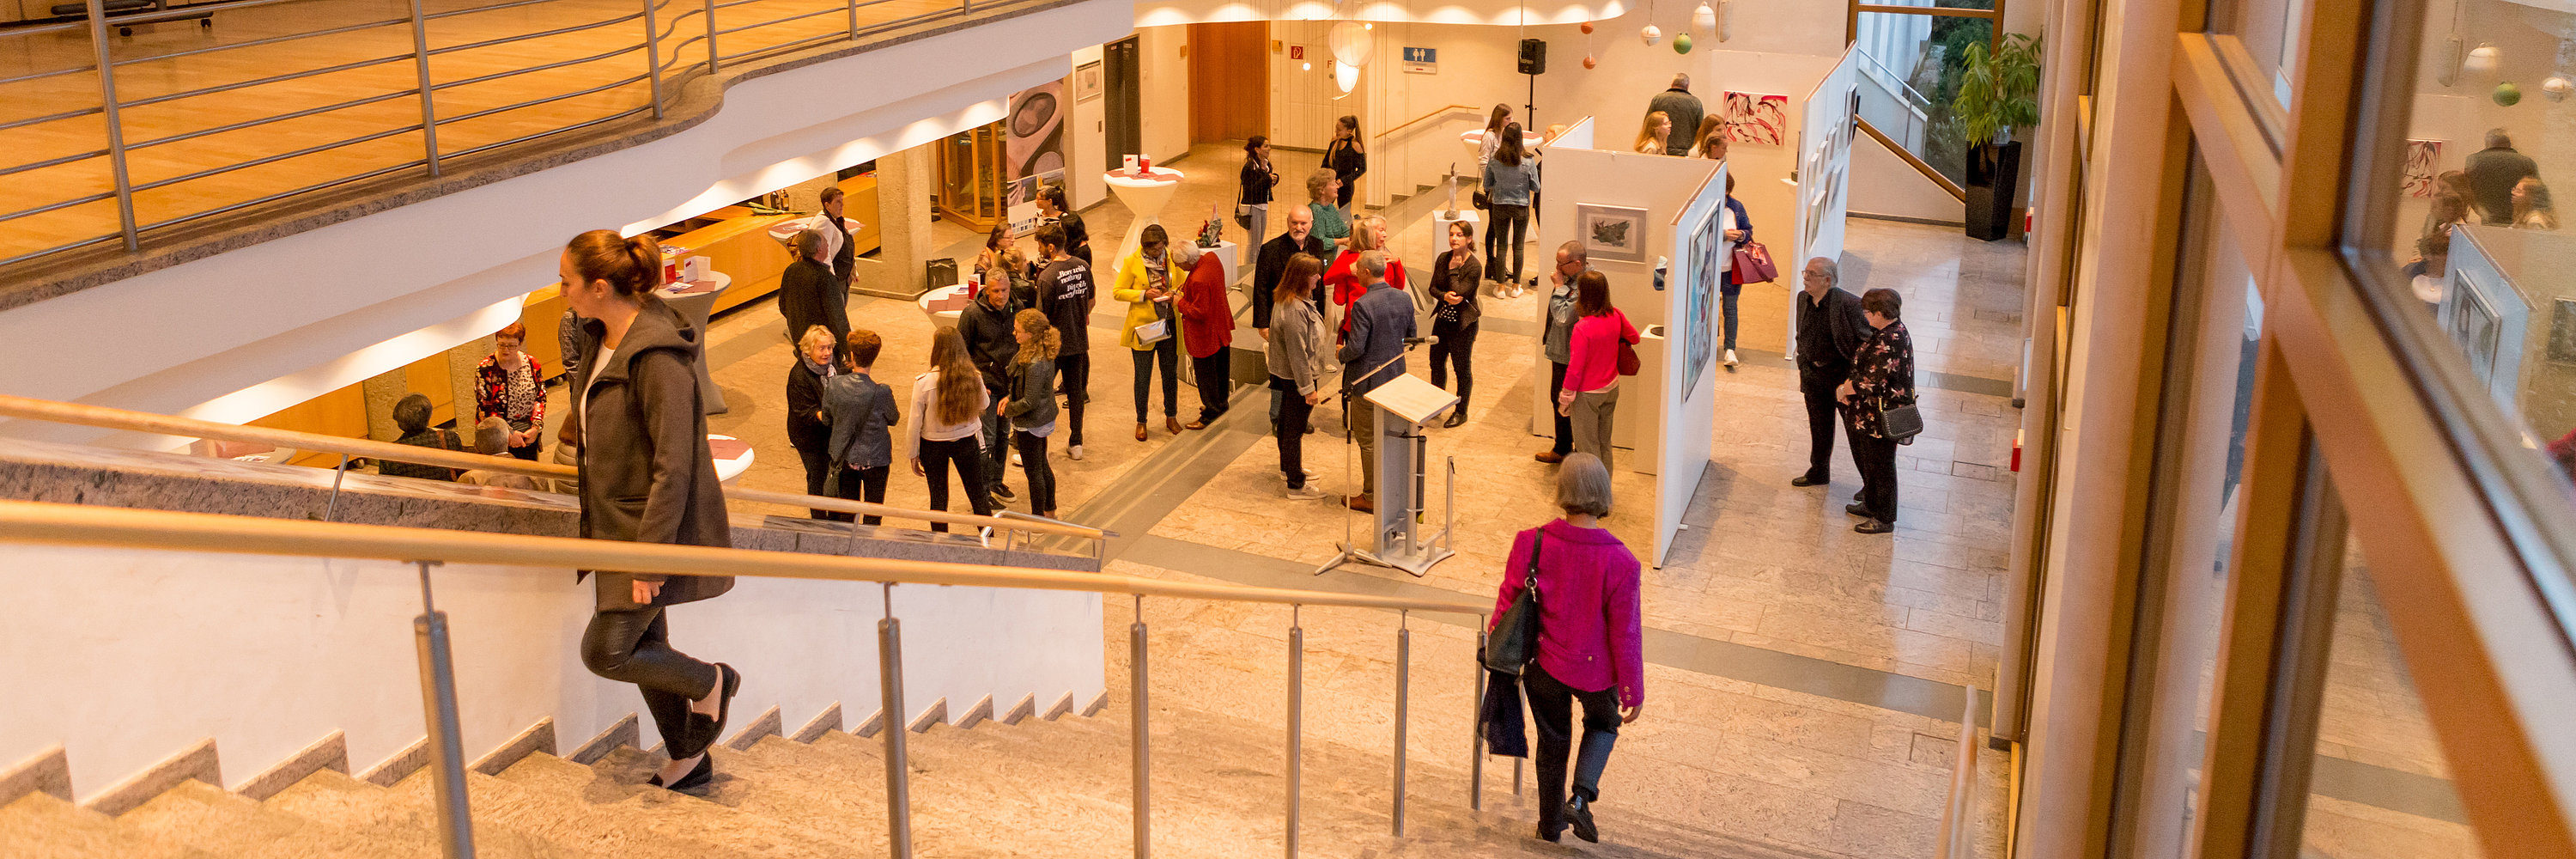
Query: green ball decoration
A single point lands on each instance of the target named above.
(2507, 95)
(1681, 43)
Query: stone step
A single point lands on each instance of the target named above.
(570, 803)
(333, 799)
(772, 783)
(42, 826)
(229, 824)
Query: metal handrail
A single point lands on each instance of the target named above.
(661, 42)
(1918, 98)
(102, 417)
(1435, 113)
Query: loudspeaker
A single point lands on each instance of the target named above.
(1533, 57)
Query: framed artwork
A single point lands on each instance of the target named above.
(2562, 330)
(1756, 118)
(1611, 232)
(2423, 162)
(2476, 326)
(1086, 81)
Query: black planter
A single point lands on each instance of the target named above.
(1994, 172)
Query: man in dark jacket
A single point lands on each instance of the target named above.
(1381, 320)
(1684, 109)
(2492, 173)
(1065, 293)
(1830, 331)
(985, 325)
(808, 294)
(1273, 264)
(844, 252)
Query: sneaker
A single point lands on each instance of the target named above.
(1873, 526)
(985, 535)
(1730, 357)
(1578, 814)
(1004, 492)
(1075, 452)
(1307, 492)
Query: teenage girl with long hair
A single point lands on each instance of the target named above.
(947, 426)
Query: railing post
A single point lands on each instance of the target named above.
(1476, 728)
(115, 127)
(1296, 722)
(891, 722)
(438, 700)
(653, 54)
(1403, 684)
(428, 101)
(711, 36)
(332, 507)
(1137, 710)
(854, 20)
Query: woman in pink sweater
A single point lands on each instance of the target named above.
(1590, 644)
(1591, 391)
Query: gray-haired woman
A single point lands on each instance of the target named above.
(1591, 645)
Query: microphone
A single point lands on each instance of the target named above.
(1424, 340)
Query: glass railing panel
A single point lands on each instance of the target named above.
(1914, 64)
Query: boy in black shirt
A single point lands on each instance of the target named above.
(1065, 295)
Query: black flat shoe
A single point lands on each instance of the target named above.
(729, 683)
(1856, 509)
(698, 775)
(1579, 814)
(1803, 480)
(1456, 419)
(1874, 526)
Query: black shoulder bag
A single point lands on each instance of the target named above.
(1515, 640)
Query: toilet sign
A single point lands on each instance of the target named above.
(1422, 61)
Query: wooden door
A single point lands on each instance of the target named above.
(1229, 81)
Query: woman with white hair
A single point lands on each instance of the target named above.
(809, 428)
(1590, 642)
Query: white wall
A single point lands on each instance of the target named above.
(1086, 138)
(1662, 186)
(213, 327)
(127, 657)
(1164, 101)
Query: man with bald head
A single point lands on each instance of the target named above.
(1557, 337)
(1830, 331)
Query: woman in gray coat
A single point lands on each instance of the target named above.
(646, 477)
(1296, 358)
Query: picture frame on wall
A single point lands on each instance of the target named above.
(1611, 232)
(1086, 81)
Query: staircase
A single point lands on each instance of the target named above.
(1038, 788)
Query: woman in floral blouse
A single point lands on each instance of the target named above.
(1882, 377)
(510, 384)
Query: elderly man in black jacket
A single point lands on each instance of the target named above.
(1273, 264)
(986, 327)
(809, 294)
(1830, 331)
(1381, 320)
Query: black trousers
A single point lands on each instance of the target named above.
(635, 647)
(968, 456)
(862, 484)
(1041, 476)
(818, 469)
(1216, 383)
(1564, 423)
(1166, 353)
(1551, 706)
(1455, 349)
(1073, 371)
(1294, 414)
(1818, 384)
(1877, 460)
(997, 456)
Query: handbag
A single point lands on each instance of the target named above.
(1515, 639)
(1481, 199)
(1628, 364)
(1753, 264)
(1900, 424)
(1153, 332)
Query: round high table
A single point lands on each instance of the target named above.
(1144, 196)
(945, 303)
(695, 299)
(733, 456)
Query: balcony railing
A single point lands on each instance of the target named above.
(115, 138)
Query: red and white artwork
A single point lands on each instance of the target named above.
(1753, 117)
(2423, 162)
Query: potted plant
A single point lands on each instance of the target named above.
(1998, 92)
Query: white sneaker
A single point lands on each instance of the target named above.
(1074, 451)
(1015, 458)
(1307, 492)
(986, 535)
(1730, 357)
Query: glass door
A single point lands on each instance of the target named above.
(972, 169)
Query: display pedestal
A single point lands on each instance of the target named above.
(1403, 406)
(696, 300)
(1144, 197)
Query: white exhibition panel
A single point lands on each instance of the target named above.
(1825, 134)
(214, 328)
(134, 656)
(1662, 187)
(1694, 336)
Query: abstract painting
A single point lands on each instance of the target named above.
(1757, 118)
(2423, 161)
(1611, 232)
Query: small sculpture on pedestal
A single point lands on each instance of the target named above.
(1213, 232)
(1452, 214)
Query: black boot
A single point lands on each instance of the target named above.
(1578, 815)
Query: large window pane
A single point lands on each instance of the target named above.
(2264, 43)
(1910, 74)
(2456, 228)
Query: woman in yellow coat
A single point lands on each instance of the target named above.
(1150, 285)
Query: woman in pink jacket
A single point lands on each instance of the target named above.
(1590, 645)
(1591, 393)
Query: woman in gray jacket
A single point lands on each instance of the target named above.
(863, 418)
(646, 477)
(1510, 178)
(1296, 358)
(1030, 404)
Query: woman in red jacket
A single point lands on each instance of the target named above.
(1207, 329)
(1343, 278)
(1591, 646)
(1591, 393)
